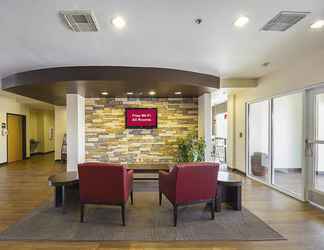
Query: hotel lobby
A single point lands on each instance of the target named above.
(162, 125)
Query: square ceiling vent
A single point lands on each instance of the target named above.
(284, 20)
(80, 20)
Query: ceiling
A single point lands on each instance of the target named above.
(159, 33)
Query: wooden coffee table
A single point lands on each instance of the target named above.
(60, 182)
(229, 190)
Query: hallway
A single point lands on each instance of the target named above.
(23, 187)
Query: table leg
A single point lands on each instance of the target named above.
(63, 199)
(219, 199)
(59, 193)
(237, 201)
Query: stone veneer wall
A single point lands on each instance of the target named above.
(107, 140)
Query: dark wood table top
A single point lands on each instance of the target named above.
(229, 178)
(65, 178)
(153, 166)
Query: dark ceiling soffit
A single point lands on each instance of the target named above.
(110, 73)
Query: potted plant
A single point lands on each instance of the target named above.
(190, 148)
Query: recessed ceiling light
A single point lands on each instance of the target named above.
(119, 22)
(241, 21)
(178, 93)
(104, 93)
(318, 24)
(152, 92)
(129, 93)
(198, 20)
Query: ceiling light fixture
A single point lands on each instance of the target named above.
(198, 20)
(119, 22)
(152, 92)
(178, 93)
(241, 21)
(130, 93)
(104, 93)
(318, 24)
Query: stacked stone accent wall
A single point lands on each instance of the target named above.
(107, 139)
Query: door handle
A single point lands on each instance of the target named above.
(309, 148)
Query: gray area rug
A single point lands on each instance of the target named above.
(146, 221)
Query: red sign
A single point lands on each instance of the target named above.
(141, 118)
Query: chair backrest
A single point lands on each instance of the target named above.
(196, 181)
(102, 183)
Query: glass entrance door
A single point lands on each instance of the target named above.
(275, 146)
(315, 145)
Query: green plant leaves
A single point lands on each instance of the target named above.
(190, 148)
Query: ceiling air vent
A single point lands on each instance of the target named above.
(284, 20)
(80, 20)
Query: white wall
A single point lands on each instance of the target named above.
(221, 125)
(8, 105)
(75, 131)
(288, 131)
(205, 123)
(303, 73)
(60, 129)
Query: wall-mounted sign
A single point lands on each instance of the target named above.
(141, 118)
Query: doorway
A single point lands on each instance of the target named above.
(315, 145)
(16, 137)
(275, 143)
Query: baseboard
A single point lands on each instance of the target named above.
(41, 153)
(237, 171)
(289, 170)
(59, 160)
(3, 163)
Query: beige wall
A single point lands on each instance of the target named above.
(60, 129)
(9, 105)
(301, 74)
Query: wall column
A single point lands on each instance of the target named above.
(75, 130)
(205, 123)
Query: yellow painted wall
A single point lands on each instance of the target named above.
(41, 121)
(9, 105)
(60, 129)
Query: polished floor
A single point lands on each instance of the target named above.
(24, 186)
(293, 181)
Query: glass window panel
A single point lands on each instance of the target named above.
(319, 158)
(259, 140)
(287, 142)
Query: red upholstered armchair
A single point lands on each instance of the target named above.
(106, 184)
(189, 183)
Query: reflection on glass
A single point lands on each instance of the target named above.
(287, 142)
(259, 140)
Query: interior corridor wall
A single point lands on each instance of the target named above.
(301, 74)
(40, 129)
(60, 129)
(9, 105)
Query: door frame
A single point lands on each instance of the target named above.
(24, 135)
(311, 135)
(303, 196)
